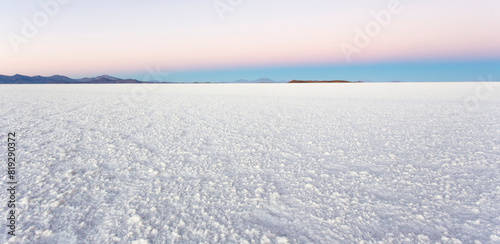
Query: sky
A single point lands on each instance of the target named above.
(226, 40)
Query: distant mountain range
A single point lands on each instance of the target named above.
(59, 79)
(106, 79)
(103, 79)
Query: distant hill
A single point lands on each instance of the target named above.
(99, 78)
(59, 79)
(324, 81)
(261, 80)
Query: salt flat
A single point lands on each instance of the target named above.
(255, 163)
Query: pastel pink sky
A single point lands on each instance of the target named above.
(94, 37)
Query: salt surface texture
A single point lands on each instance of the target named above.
(255, 163)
